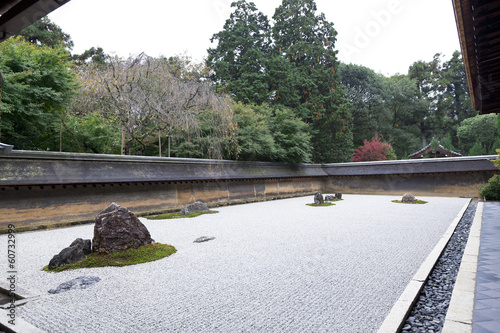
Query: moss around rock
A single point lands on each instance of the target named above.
(143, 254)
(416, 202)
(325, 204)
(179, 215)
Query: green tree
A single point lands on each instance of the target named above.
(443, 85)
(479, 133)
(47, 33)
(406, 111)
(255, 140)
(367, 92)
(95, 55)
(38, 85)
(291, 136)
(456, 94)
(273, 134)
(307, 81)
(238, 61)
(477, 149)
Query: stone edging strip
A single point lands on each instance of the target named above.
(401, 309)
(461, 308)
(21, 326)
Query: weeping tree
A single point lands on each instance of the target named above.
(150, 100)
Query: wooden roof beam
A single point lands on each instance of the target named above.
(17, 15)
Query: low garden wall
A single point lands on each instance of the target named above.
(42, 189)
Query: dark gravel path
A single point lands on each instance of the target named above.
(428, 314)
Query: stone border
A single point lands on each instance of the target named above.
(461, 309)
(402, 308)
(20, 327)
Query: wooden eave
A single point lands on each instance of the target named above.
(478, 24)
(18, 14)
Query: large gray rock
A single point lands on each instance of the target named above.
(318, 199)
(118, 229)
(75, 252)
(408, 197)
(194, 207)
(81, 282)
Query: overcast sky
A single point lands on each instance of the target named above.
(384, 35)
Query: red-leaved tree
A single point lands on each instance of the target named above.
(374, 150)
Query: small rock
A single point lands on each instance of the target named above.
(329, 197)
(203, 239)
(406, 327)
(338, 195)
(81, 282)
(194, 207)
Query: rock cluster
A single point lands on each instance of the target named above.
(408, 197)
(194, 207)
(118, 229)
(330, 197)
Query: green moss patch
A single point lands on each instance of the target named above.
(179, 215)
(142, 254)
(321, 205)
(326, 204)
(416, 202)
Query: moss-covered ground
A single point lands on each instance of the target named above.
(142, 254)
(179, 215)
(416, 202)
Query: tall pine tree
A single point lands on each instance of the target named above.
(238, 60)
(304, 45)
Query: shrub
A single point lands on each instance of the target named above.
(374, 150)
(491, 191)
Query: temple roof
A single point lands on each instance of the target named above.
(478, 24)
(440, 152)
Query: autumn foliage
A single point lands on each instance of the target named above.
(374, 150)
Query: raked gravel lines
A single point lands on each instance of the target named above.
(276, 266)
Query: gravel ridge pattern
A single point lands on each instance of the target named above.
(429, 312)
(275, 266)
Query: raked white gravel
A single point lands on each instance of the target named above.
(276, 266)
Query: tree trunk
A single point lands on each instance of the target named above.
(159, 142)
(123, 140)
(168, 137)
(60, 135)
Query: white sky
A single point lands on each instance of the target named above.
(384, 35)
